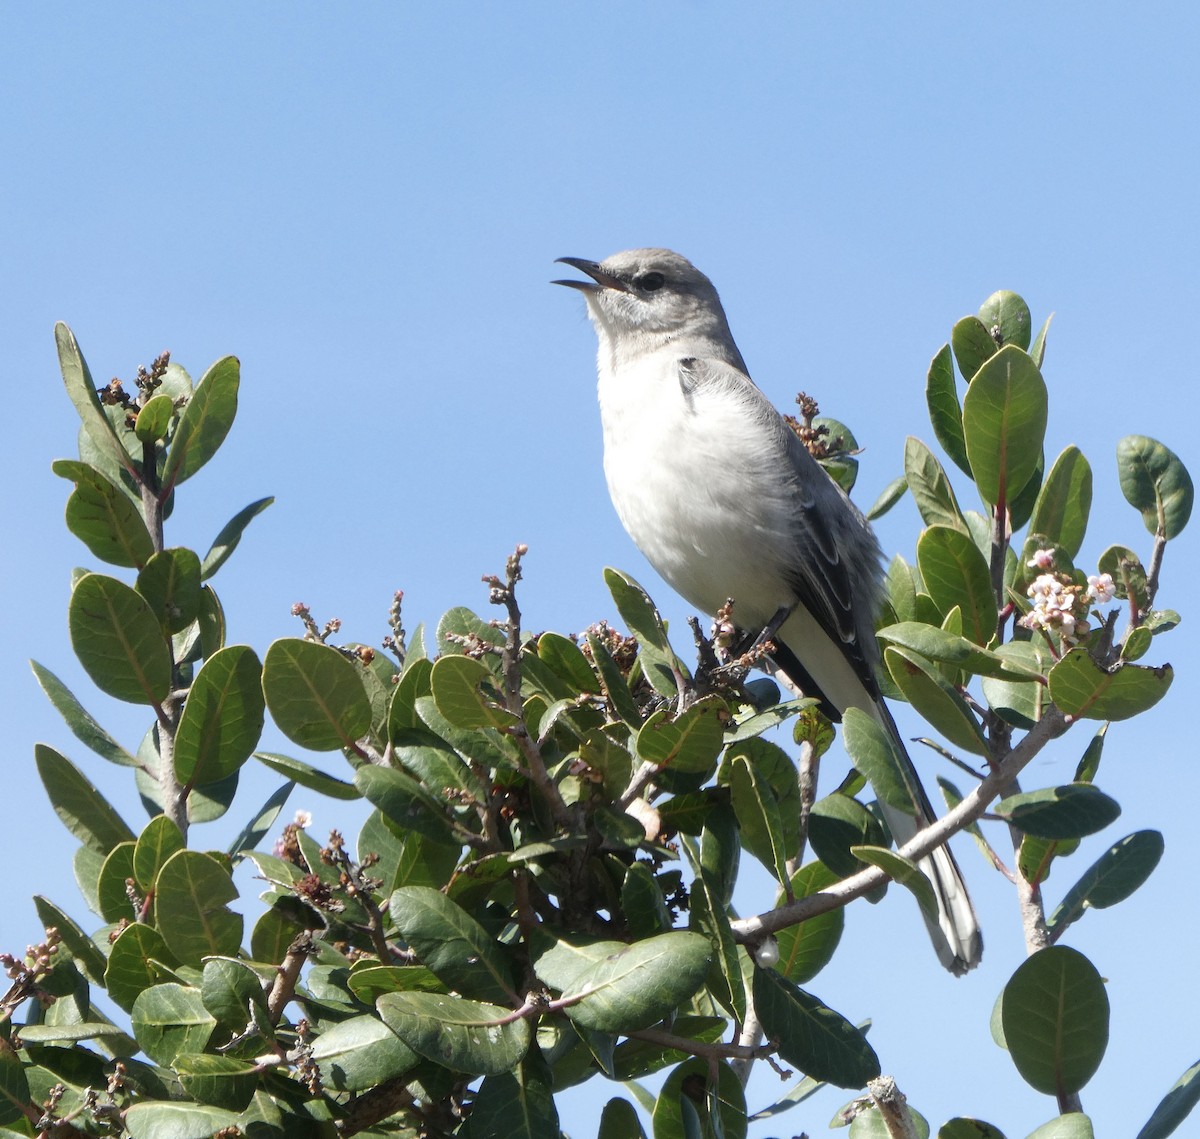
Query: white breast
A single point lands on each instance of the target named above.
(693, 481)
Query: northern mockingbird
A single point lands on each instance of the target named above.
(725, 502)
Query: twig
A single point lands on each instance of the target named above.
(893, 1108)
(288, 974)
(1051, 725)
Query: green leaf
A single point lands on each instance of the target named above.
(945, 412)
(1155, 482)
(905, 872)
(1111, 878)
(205, 802)
(836, 823)
(83, 810)
(452, 944)
(232, 992)
(1174, 1107)
(938, 701)
(1062, 506)
(1070, 811)
(757, 808)
(1081, 687)
(619, 1120)
(160, 1120)
(625, 987)
(132, 964)
(83, 727)
(1021, 504)
(462, 1035)
(119, 641)
(222, 718)
(315, 694)
(931, 489)
(805, 949)
(840, 464)
(962, 1127)
(949, 648)
(211, 622)
(870, 1124)
(972, 344)
(308, 776)
(190, 908)
(1055, 1017)
(112, 888)
(1037, 350)
(1004, 424)
(231, 534)
(169, 1019)
(455, 683)
(170, 583)
(403, 800)
(158, 841)
(260, 825)
(220, 1081)
(518, 1104)
(1128, 573)
(688, 1105)
(658, 659)
(613, 682)
(1006, 317)
(77, 945)
(103, 517)
(689, 743)
(204, 422)
(809, 1034)
(1016, 702)
(956, 574)
(888, 497)
(154, 419)
(82, 390)
(874, 754)
(361, 1053)
(707, 915)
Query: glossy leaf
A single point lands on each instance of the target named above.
(1174, 1107)
(888, 497)
(1006, 317)
(689, 743)
(810, 1035)
(1055, 1017)
(455, 683)
(83, 726)
(517, 1104)
(103, 517)
(119, 641)
(973, 345)
(688, 1105)
(1081, 687)
(463, 1035)
(1070, 811)
(870, 1124)
(805, 949)
(190, 907)
(962, 1127)
(615, 686)
(931, 489)
(1037, 350)
(170, 583)
(874, 754)
(315, 694)
(625, 987)
(75, 944)
(1128, 573)
(452, 944)
(169, 1019)
(945, 412)
(204, 421)
(904, 871)
(837, 823)
(619, 1120)
(231, 534)
(82, 390)
(1004, 423)
(1017, 702)
(949, 648)
(1156, 483)
(222, 718)
(759, 817)
(160, 1120)
(158, 841)
(956, 574)
(403, 800)
(112, 885)
(154, 419)
(308, 776)
(77, 802)
(1110, 879)
(259, 826)
(131, 966)
(1064, 502)
(707, 916)
(641, 617)
(361, 1053)
(939, 702)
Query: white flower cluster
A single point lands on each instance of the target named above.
(1059, 603)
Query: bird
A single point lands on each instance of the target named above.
(725, 502)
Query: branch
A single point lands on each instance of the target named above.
(1052, 724)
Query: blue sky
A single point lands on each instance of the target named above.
(363, 203)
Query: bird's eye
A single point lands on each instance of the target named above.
(650, 282)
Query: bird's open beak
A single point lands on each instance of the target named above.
(600, 279)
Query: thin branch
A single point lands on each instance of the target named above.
(1051, 725)
(287, 975)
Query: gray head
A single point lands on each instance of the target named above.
(641, 299)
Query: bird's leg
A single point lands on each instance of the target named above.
(768, 631)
